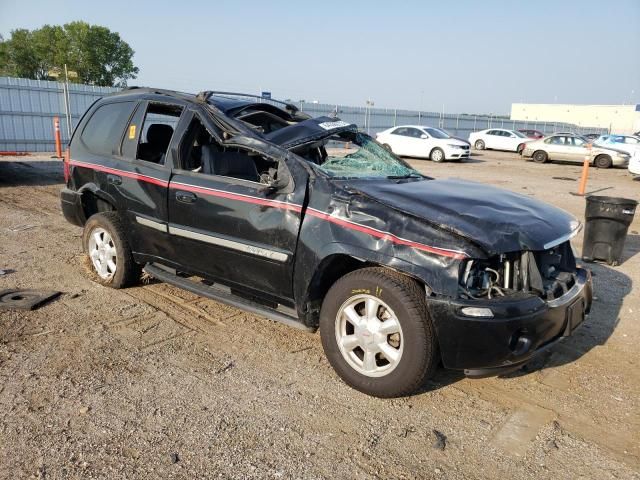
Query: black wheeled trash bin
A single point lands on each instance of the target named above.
(607, 222)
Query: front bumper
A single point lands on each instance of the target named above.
(522, 327)
(451, 153)
(620, 161)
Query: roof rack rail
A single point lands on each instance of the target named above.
(206, 94)
(159, 91)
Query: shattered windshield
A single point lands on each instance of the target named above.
(355, 155)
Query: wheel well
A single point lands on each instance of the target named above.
(92, 204)
(328, 272)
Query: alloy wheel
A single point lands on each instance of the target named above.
(369, 335)
(103, 254)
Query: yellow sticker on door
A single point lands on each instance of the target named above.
(132, 132)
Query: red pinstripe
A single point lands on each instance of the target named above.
(277, 204)
(122, 173)
(236, 196)
(386, 235)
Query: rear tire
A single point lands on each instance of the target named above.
(371, 355)
(437, 155)
(479, 145)
(540, 156)
(603, 161)
(105, 242)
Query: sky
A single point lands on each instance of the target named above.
(460, 56)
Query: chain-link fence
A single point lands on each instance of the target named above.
(373, 120)
(27, 108)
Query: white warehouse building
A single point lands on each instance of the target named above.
(622, 119)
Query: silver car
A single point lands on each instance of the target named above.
(573, 148)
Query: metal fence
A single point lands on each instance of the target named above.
(27, 108)
(373, 120)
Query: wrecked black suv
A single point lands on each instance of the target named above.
(312, 223)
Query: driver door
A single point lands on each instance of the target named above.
(576, 149)
(228, 226)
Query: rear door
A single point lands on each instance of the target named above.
(400, 141)
(225, 224)
(105, 156)
(143, 183)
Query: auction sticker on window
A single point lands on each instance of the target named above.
(333, 125)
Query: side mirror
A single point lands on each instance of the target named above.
(278, 183)
(279, 178)
(424, 135)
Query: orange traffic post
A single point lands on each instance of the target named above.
(585, 171)
(56, 131)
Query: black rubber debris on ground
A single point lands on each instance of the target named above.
(440, 441)
(175, 458)
(14, 299)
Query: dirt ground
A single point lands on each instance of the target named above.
(154, 382)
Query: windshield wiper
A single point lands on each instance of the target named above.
(409, 175)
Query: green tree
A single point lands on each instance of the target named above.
(98, 55)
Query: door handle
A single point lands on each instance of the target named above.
(185, 197)
(114, 179)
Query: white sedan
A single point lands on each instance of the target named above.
(498, 139)
(424, 142)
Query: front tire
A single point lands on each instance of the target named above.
(437, 155)
(377, 334)
(479, 145)
(603, 161)
(105, 242)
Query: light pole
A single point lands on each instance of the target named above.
(367, 114)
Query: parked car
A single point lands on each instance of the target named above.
(423, 142)
(531, 133)
(498, 139)
(626, 143)
(241, 201)
(591, 137)
(574, 148)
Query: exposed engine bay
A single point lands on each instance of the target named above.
(548, 274)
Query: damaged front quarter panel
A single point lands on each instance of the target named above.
(340, 222)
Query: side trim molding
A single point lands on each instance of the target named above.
(152, 224)
(233, 245)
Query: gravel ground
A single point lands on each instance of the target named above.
(154, 382)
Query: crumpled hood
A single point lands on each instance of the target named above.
(497, 220)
